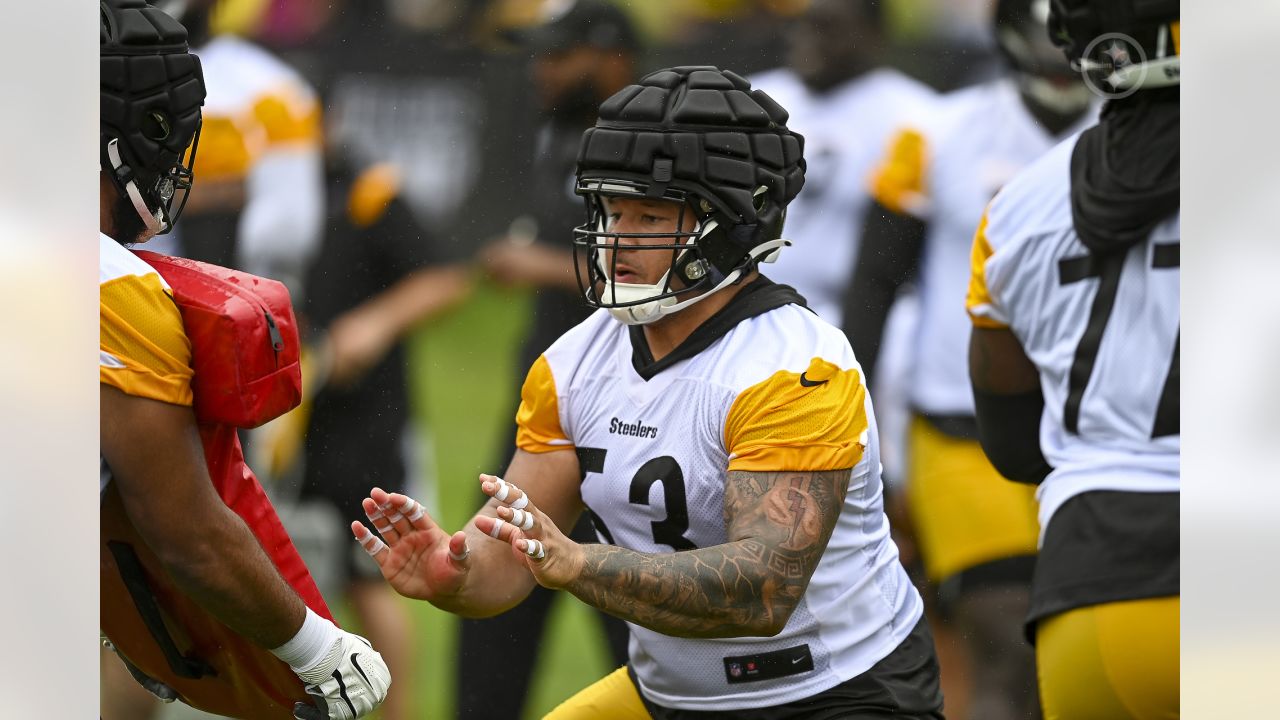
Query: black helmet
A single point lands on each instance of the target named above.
(1041, 71)
(702, 137)
(1120, 45)
(152, 90)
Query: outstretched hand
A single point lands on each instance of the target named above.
(417, 557)
(552, 558)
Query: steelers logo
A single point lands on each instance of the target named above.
(1114, 66)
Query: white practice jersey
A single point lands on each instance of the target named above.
(261, 126)
(943, 168)
(1103, 334)
(778, 391)
(845, 132)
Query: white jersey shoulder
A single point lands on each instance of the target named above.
(116, 261)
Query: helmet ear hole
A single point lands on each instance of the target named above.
(156, 126)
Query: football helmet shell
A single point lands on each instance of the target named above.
(1134, 43)
(149, 114)
(702, 137)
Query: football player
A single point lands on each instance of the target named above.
(716, 431)
(976, 533)
(1074, 366)
(152, 90)
(260, 204)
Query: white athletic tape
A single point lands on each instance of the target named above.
(497, 527)
(522, 503)
(375, 515)
(522, 519)
(407, 505)
(418, 512)
(503, 489)
(383, 530)
(395, 517)
(535, 550)
(373, 545)
(466, 553)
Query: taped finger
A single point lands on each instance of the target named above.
(497, 527)
(534, 549)
(466, 553)
(417, 513)
(504, 488)
(522, 519)
(371, 543)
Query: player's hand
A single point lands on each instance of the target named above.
(553, 558)
(420, 560)
(349, 683)
(355, 342)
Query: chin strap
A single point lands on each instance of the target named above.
(154, 221)
(645, 313)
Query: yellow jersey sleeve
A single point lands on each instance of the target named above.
(982, 307)
(810, 421)
(538, 419)
(900, 181)
(143, 350)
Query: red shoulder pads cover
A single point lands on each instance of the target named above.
(244, 340)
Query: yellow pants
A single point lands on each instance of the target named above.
(613, 697)
(1117, 661)
(964, 512)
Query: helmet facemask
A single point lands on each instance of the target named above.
(158, 197)
(691, 274)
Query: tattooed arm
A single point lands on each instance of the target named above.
(778, 524)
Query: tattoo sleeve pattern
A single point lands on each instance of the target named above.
(778, 525)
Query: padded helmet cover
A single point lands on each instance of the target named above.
(152, 89)
(704, 131)
(1074, 24)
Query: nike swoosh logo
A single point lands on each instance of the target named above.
(796, 661)
(806, 382)
(356, 663)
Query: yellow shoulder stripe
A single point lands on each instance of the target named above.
(286, 121)
(810, 421)
(538, 419)
(371, 194)
(979, 302)
(899, 183)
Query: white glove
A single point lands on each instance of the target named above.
(348, 683)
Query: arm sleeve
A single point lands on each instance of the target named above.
(810, 421)
(142, 348)
(538, 419)
(892, 244)
(1009, 430)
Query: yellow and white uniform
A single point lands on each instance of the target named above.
(845, 132)
(777, 391)
(943, 169)
(1103, 331)
(1102, 424)
(261, 127)
(142, 347)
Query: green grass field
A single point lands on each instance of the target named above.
(462, 381)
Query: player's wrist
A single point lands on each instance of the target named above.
(311, 646)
